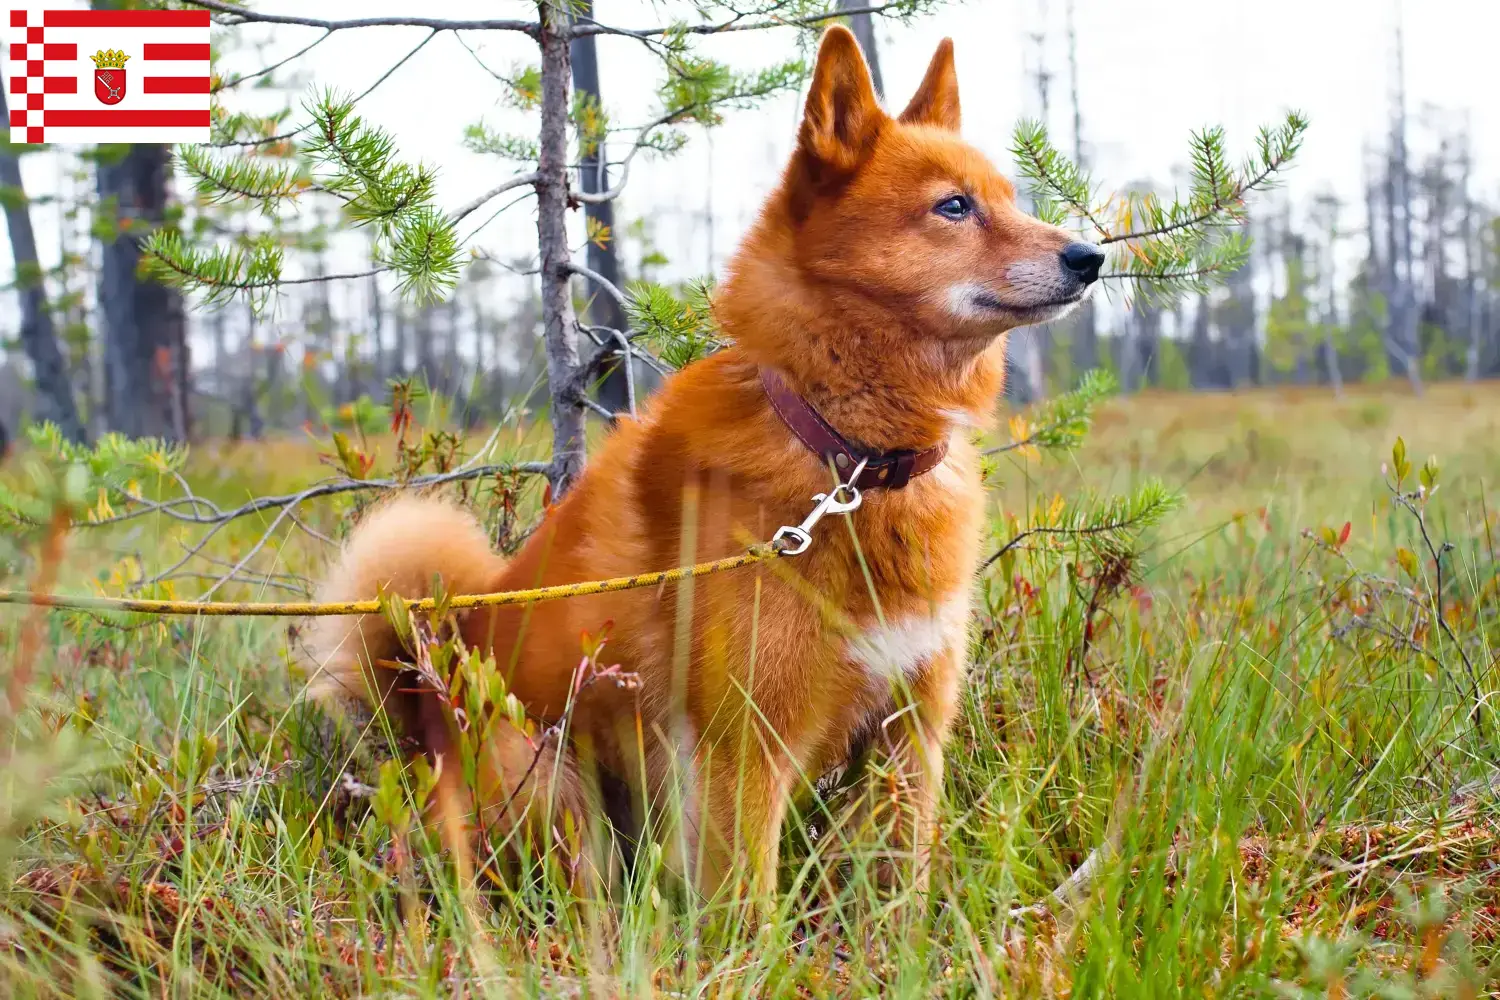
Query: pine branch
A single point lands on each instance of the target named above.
(681, 330)
(1109, 526)
(358, 165)
(1219, 193)
(1061, 423)
(1165, 248)
(1058, 184)
(218, 273)
(220, 181)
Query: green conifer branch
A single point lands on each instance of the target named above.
(1168, 247)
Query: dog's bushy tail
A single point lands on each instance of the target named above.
(399, 547)
(521, 784)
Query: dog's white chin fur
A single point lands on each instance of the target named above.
(1054, 311)
(972, 302)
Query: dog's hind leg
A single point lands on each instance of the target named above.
(528, 802)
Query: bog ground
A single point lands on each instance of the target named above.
(1270, 721)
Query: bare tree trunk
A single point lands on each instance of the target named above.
(71, 312)
(400, 366)
(222, 382)
(1327, 211)
(1404, 307)
(1200, 348)
(54, 392)
(602, 308)
(251, 385)
(559, 326)
(1085, 338)
(1026, 350)
(1126, 359)
(1331, 317)
(1148, 345)
(1331, 360)
(1472, 272)
(424, 329)
(863, 26)
(1237, 324)
(145, 326)
(452, 365)
(380, 367)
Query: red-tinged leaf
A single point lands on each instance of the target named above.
(1143, 599)
(1344, 534)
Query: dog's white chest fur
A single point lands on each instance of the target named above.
(901, 647)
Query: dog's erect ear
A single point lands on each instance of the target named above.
(936, 100)
(843, 116)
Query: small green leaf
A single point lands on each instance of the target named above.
(1399, 465)
(1428, 477)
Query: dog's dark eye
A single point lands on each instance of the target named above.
(956, 208)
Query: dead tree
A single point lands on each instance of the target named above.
(144, 323)
(54, 390)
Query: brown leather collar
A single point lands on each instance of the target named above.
(890, 469)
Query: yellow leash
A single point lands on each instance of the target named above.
(300, 609)
(844, 498)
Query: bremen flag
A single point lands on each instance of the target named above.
(107, 75)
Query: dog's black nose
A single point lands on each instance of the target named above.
(1084, 260)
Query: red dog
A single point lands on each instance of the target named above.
(867, 309)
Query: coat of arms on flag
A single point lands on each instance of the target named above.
(163, 95)
(109, 75)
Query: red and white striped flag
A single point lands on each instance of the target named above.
(88, 76)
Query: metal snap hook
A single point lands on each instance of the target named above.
(842, 499)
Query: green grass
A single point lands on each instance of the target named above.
(1266, 735)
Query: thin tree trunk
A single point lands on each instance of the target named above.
(1085, 331)
(54, 391)
(1026, 351)
(1406, 306)
(1472, 273)
(1200, 348)
(250, 387)
(1331, 360)
(379, 364)
(424, 328)
(400, 365)
(222, 381)
(453, 377)
(145, 326)
(559, 326)
(863, 26)
(602, 308)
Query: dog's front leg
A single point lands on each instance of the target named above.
(889, 821)
(743, 799)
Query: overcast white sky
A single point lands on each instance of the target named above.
(1149, 70)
